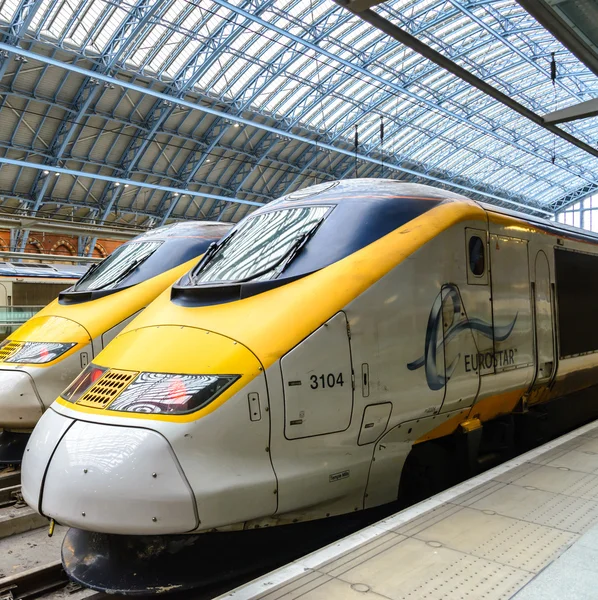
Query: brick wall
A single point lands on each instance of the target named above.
(51, 243)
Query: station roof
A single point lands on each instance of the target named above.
(139, 112)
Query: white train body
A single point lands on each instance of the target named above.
(423, 334)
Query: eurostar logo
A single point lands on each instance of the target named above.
(435, 339)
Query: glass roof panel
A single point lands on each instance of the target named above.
(115, 16)
(7, 10)
(441, 122)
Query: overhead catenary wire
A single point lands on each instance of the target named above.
(382, 140)
(553, 79)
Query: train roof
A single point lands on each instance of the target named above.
(391, 189)
(180, 229)
(553, 227)
(41, 270)
(364, 190)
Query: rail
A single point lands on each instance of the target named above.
(34, 583)
(15, 516)
(9, 478)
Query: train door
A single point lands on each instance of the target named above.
(478, 302)
(544, 320)
(314, 454)
(511, 305)
(467, 324)
(318, 382)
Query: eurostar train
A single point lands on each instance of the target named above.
(40, 358)
(33, 284)
(335, 349)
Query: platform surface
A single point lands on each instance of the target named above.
(527, 529)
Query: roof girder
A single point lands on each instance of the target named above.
(216, 112)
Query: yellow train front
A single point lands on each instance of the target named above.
(45, 354)
(340, 348)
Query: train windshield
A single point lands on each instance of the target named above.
(121, 263)
(261, 246)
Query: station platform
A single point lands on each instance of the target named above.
(527, 529)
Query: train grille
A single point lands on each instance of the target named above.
(106, 388)
(10, 349)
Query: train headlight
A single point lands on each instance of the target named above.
(83, 382)
(38, 353)
(171, 394)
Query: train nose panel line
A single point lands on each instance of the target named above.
(22, 406)
(111, 479)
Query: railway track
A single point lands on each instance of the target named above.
(15, 516)
(9, 477)
(48, 581)
(10, 488)
(33, 583)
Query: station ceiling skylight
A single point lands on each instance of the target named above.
(304, 67)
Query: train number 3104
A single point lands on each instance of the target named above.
(328, 380)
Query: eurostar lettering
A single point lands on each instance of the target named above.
(436, 338)
(487, 360)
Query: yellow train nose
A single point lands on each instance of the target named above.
(153, 356)
(51, 329)
(39, 360)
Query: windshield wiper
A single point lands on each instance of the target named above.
(87, 273)
(288, 257)
(300, 243)
(209, 253)
(124, 273)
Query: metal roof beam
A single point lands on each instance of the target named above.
(295, 120)
(562, 203)
(492, 128)
(392, 84)
(66, 227)
(405, 38)
(58, 204)
(19, 25)
(548, 19)
(48, 257)
(127, 31)
(120, 181)
(185, 79)
(512, 47)
(583, 110)
(220, 113)
(174, 133)
(357, 6)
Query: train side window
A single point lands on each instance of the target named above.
(477, 259)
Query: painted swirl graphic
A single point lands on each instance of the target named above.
(435, 380)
